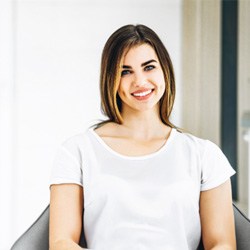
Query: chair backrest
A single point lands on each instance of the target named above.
(242, 226)
(37, 236)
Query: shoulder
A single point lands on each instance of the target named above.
(213, 164)
(75, 143)
(189, 140)
(74, 140)
(203, 147)
(109, 129)
(209, 152)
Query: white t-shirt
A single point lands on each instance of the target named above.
(145, 202)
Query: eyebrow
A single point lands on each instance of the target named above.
(142, 65)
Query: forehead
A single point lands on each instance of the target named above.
(140, 53)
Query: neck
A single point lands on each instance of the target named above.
(144, 124)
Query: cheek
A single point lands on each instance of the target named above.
(161, 86)
(123, 88)
(160, 82)
(119, 88)
(158, 78)
(162, 91)
(121, 92)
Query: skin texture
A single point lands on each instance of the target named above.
(66, 205)
(141, 133)
(217, 219)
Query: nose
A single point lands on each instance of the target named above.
(139, 79)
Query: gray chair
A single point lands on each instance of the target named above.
(37, 236)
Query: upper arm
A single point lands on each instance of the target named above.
(66, 207)
(217, 219)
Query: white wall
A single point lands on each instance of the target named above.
(57, 47)
(6, 120)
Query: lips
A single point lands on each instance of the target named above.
(142, 94)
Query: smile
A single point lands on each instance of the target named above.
(141, 94)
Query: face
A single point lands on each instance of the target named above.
(142, 81)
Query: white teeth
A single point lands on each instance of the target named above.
(143, 93)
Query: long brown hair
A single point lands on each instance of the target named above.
(114, 50)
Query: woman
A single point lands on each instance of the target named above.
(142, 183)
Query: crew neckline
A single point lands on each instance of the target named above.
(139, 157)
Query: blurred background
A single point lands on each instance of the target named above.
(49, 85)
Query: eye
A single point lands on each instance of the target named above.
(125, 72)
(149, 67)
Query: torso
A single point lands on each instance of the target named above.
(143, 202)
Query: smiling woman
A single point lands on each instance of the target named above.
(113, 61)
(141, 182)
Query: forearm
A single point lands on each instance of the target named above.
(65, 245)
(222, 247)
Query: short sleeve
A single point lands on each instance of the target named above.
(215, 167)
(66, 166)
